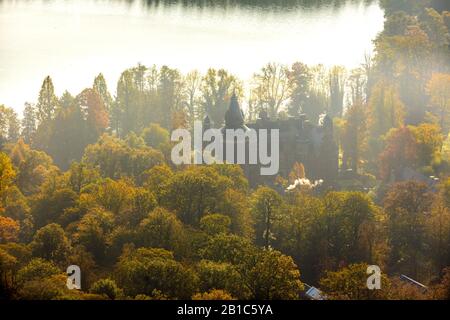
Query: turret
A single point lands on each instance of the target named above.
(207, 123)
(234, 118)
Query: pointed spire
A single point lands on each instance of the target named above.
(233, 117)
(207, 122)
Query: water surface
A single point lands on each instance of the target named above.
(72, 41)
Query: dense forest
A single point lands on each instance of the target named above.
(87, 180)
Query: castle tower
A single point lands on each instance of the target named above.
(328, 151)
(207, 123)
(234, 118)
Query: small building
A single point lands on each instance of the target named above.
(313, 293)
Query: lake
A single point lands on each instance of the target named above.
(72, 41)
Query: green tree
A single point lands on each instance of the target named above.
(405, 58)
(222, 276)
(66, 101)
(193, 82)
(116, 158)
(301, 234)
(407, 204)
(429, 143)
(192, 193)
(270, 275)
(37, 269)
(47, 101)
(438, 228)
(48, 208)
(8, 265)
(114, 196)
(29, 123)
(108, 155)
(7, 175)
(9, 125)
(227, 248)
(155, 179)
(438, 89)
(215, 223)
(155, 136)
(142, 202)
(299, 84)
(80, 176)
(216, 90)
(385, 110)
(349, 283)
(349, 223)
(235, 204)
(265, 204)
(318, 95)
(51, 243)
(101, 88)
(271, 89)
(161, 229)
(130, 101)
(33, 167)
(107, 287)
(170, 96)
(93, 232)
(353, 137)
(144, 270)
(68, 128)
(337, 79)
(50, 288)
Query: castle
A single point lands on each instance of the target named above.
(313, 145)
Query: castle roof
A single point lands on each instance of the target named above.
(234, 118)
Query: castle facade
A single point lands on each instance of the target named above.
(301, 141)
